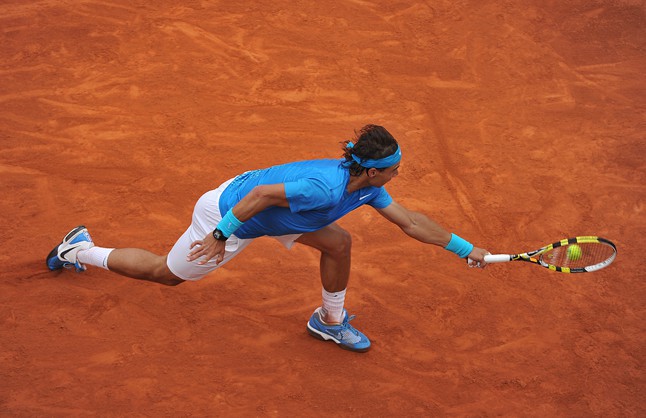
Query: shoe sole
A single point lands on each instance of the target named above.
(52, 253)
(325, 337)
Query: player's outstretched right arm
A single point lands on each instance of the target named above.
(422, 228)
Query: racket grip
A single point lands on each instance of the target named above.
(497, 258)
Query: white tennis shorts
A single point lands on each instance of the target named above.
(206, 216)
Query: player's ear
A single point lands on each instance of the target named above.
(372, 172)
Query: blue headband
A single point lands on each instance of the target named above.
(385, 162)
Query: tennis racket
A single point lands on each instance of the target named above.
(571, 255)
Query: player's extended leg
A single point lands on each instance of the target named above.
(143, 265)
(77, 249)
(331, 322)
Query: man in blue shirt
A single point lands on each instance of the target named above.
(295, 202)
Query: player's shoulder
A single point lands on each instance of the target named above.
(323, 163)
(321, 168)
(327, 174)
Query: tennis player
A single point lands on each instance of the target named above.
(297, 202)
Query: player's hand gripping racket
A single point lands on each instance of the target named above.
(571, 255)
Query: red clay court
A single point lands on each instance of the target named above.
(521, 122)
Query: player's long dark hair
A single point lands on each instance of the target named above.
(371, 142)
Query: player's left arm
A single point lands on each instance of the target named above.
(422, 228)
(259, 199)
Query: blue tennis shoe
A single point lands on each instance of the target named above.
(344, 334)
(64, 254)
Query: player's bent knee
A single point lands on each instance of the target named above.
(331, 240)
(343, 245)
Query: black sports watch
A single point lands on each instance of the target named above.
(217, 234)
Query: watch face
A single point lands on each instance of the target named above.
(217, 234)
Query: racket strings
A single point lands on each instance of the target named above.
(578, 255)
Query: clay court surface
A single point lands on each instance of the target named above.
(521, 122)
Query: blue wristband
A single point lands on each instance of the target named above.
(229, 224)
(459, 246)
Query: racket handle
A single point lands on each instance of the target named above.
(497, 258)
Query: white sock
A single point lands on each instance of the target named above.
(95, 256)
(333, 305)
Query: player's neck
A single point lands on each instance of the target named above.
(356, 183)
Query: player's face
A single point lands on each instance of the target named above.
(380, 178)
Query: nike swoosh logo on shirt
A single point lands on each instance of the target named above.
(363, 197)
